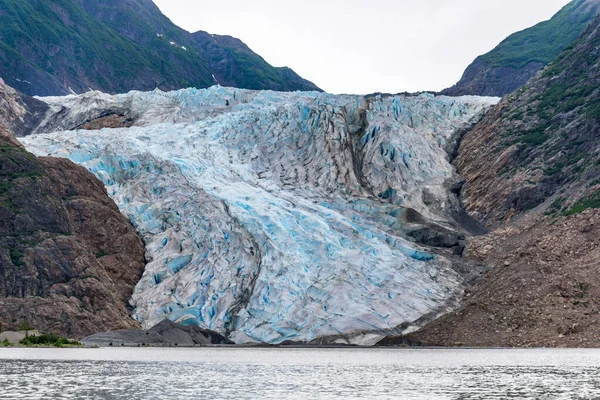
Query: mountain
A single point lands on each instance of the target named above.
(68, 258)
(532, 171)
(544, 140)
(234, 64)
(520, 56)
(273, 217)
(58, 46)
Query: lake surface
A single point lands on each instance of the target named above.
(234, 373)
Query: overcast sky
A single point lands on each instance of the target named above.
(365, 46)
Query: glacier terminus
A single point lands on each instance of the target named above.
(280, 217)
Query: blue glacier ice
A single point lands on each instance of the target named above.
(274, 217)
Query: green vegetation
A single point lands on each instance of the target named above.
(49, 339)
(24, 186)
(17, 175)
(25, 326)
(583, 288)
(5, 343)
(534, 137)
(584, 204)
(21, 164)
(543, 42)
(556, 206)
(117, 46)
(16, 256)
(557, 112)
(63, 40)
(248, 70)
(554, 169)
(592, 107)
(563, 96)
(581, 291)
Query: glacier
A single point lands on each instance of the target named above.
(279, 217)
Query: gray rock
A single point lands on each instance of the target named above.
(166, 333)
(16, 337)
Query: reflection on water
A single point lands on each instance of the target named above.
(232, 373)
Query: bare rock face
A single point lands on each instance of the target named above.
(109, 121)
(532, 175)
(543, 292)
(165, 333)
(19, 113)
(485, 79)
(540, 145)
(68, 259)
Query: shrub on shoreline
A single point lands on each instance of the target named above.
(49, 339)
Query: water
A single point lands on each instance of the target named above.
(234, 373)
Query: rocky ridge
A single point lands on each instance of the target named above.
(68, 259)
(532, 175)
(520, 56)
(539, 147)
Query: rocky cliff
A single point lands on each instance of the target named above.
(68, 259)
(532, 171)
(520, 56)
(540, 145)
(59, 46)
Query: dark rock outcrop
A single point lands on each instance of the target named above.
(166, 333)
(520, 56)
(109, 121)
(68, 259)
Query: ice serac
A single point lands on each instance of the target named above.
(273, 217)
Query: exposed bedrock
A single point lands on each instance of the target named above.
(69, 260)
(281, 217)
(532, 171)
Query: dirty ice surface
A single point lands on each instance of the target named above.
(275, 217)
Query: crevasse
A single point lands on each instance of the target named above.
(273, 217)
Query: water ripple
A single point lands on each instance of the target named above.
(298, 374)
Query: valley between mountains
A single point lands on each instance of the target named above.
(256, 216)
